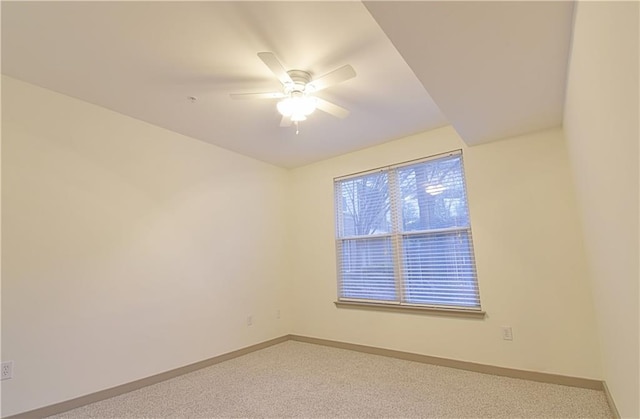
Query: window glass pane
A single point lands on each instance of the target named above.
(439, 269)
(364, 205)
(404, 235)
(366, 269)
(433, 195)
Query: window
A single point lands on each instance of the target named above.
(403, 236)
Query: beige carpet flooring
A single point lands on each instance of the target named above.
(300, 380)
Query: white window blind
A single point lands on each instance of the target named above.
(403, 235)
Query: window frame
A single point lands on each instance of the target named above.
(397, 235)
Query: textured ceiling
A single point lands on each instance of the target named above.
(494, 69)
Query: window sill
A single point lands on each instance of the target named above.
(438, 311)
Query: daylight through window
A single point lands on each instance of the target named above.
(403, 235)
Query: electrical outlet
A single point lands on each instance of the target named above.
(7, 370)
(249, 320)
(278, 314)
(507, 333)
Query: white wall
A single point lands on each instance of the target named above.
(128, 250)
(601, 125)
(530, 260)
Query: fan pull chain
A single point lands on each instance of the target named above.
(297, 128)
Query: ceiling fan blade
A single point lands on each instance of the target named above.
(269, 95)
(275, 66)
(345, 72)
(285, 121)
(331, 108)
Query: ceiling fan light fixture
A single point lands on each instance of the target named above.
(297, 100)
(307, 104)
(297, 105)
(298, 117)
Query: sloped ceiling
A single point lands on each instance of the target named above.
(495, 69)
(489, 69)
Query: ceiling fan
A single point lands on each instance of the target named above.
(297, 96)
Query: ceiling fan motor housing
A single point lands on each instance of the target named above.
(301, 82)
